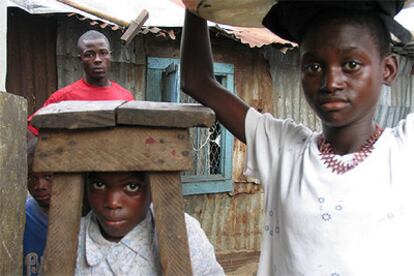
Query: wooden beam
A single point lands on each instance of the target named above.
(63, 229)
(113, 149)
(13, 179)
(170, 223)
(96, 12)
(165, 114)
(77, 114)
(134, 27)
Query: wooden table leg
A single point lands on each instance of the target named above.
(64, 219)
(169, 222)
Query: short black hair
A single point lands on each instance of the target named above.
(92, 34)
(373, 23)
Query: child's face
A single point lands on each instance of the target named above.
(119, 200)
(40, 186)
(343, 73)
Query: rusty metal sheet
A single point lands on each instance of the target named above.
(232, 223)
(31, 59)
(397, 101)
(255, 37)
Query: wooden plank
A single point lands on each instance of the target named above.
(113, 149)
(13, 178)
(134, 27)
(63, 229)
(97, 12)
(77, 114)
(170, 224)
(147, 113)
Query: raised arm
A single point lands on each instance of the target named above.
(198, 81)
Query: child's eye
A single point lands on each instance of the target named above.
(133, 187)
(49, 177)
(98, 185)
(352, 65)
(312, 68)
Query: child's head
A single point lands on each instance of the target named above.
(119, 200)
(38, 184)
(345, 53)
(345, 61)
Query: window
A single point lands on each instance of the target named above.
(213, 147)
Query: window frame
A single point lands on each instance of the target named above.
(193, 185)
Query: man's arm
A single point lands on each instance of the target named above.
(198, 81)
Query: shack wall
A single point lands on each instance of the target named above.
(31, 57)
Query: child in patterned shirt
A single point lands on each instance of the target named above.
(118, 238)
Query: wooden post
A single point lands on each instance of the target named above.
(170, 224)
(13, 179)
(13, 166)
(64, 220)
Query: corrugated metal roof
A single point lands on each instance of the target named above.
(254, 37)
(163, 14)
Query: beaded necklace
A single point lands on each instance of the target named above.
(339, 167)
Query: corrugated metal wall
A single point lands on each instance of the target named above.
(398, 100)
(31, 59)
(232, 223)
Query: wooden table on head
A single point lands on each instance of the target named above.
(81, 136)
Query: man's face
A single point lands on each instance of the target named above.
(119, 200)
(95, 55)
(342, 73)
(39, 186)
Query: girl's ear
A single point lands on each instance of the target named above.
(390, 69)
